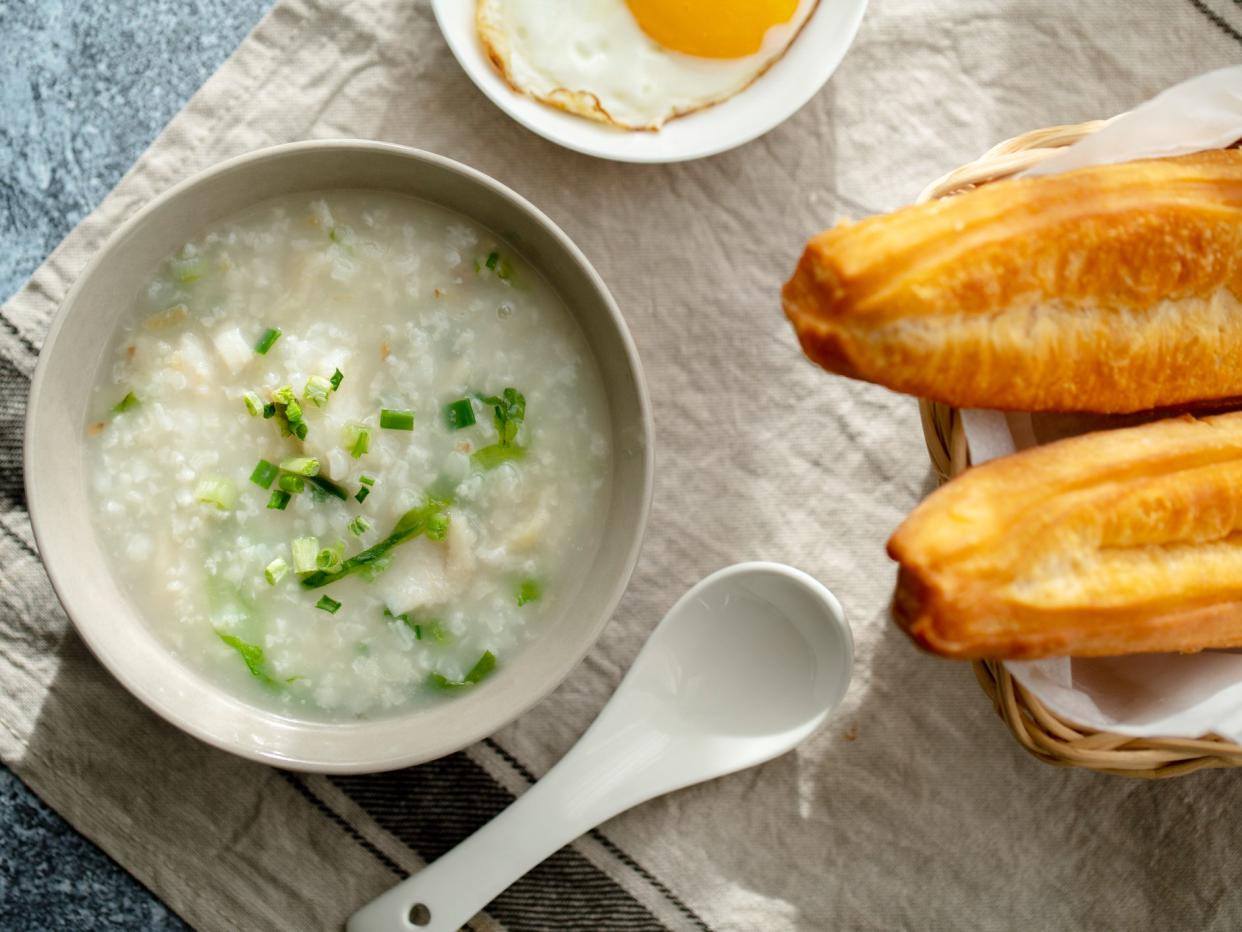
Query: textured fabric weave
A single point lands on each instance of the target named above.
(913, 808)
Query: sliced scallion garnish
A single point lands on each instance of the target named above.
(216, 490)
(264, 474)
(396, 420)
(275, 571)
(329, 559)
(459, 414)
(528, 590)
(359, 526)
(269, 411)
(357, 439)
(279, 500)
(304, 551)
(267, 341)
(337, 376)
(301, 466)
(317, 390)
(129, 401)
(365, 489)
(508, 414)
(430, 519)
(328, 604)
(327, 485)
(482, 667)
(292, 483)
(254, 404)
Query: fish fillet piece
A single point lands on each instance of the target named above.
(1114, 288)
(1117, 542)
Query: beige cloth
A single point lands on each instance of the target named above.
(913, 807)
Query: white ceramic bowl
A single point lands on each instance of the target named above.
(81, 341)
(776, 96)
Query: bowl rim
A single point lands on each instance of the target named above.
(775, 95)
(59, 570)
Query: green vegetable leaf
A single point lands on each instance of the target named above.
(508, 414)
(529, 590)
(430, 518)
(482, 667)
(129, 401)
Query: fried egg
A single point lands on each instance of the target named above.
(636, 63)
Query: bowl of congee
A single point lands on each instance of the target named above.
(339, 455)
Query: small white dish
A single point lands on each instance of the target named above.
(774, 97)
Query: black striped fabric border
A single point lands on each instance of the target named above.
(433, 807)
(1221, 20)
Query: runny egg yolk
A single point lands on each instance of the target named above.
(711, 28)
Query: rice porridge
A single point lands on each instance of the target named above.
(350, 455)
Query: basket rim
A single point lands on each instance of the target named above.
(1040, 731)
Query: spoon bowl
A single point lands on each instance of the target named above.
(746, 666)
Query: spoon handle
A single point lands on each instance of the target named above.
(588, 786)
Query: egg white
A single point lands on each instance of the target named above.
(591, 58)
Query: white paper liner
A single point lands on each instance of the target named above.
(1173, 695)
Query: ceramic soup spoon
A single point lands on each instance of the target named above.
(744, 667)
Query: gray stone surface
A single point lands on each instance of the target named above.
(84, 88)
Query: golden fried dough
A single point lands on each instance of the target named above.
(1116, 542)
(1114, 288)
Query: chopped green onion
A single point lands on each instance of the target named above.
(293, 411)
(301, 466)
(269, 411)
(328, 604)
(284, 395)
(267, 341)
(129, 401)
(504, 271)
(508, 414)
(275, 571)
(327, 485)
(492, 258)
(396, 420)
(528, 591)
(252, 656)
(336, 379)
(317, 390)
(188, 269)
(264, 474)
(418, 632)
(426, 518)
(357, 439)
(254, 404)
(366, 480)
(216, 490)
(279, 500)
(329, 559)
(365, 490)
(459, 414)
(360, 525)
(299, 429)
(492, 456)
(304, 551)
(482, 667)
(291, 483)
(439, 632)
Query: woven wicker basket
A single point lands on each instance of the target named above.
(1037, 729)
